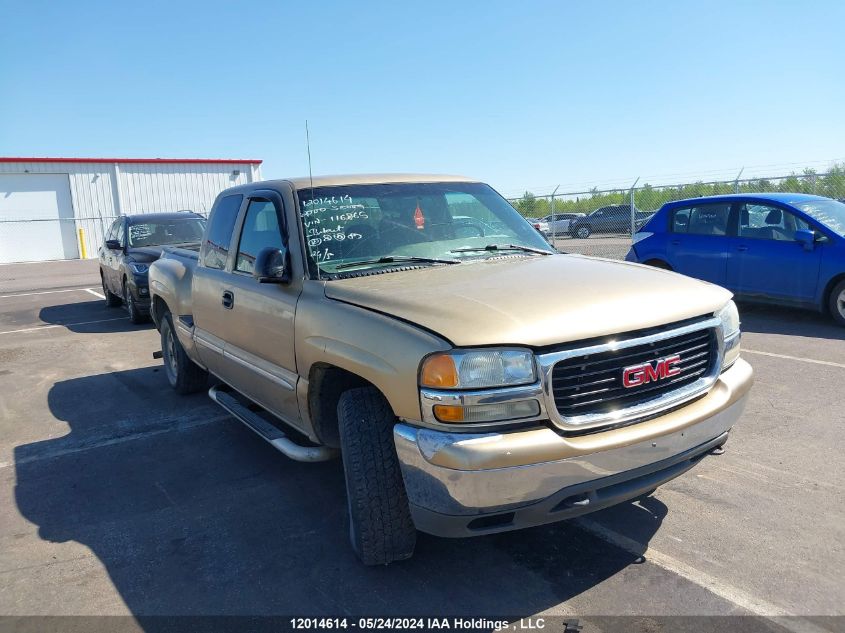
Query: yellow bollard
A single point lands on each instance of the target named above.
(82, 250)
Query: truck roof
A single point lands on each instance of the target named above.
(305, 182)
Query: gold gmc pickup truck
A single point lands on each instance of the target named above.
(472, 379)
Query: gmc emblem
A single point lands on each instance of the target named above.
(637, 375)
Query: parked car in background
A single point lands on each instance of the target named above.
(471, 384)
(470, 226)
(558, 224)
(610, 219)
(784, 248)
(131, 244)
(541, 226)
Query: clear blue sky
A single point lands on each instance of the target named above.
(525, 95)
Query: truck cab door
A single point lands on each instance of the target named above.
(698, 241)
(765, 260)
(210, 282)
(259, 358)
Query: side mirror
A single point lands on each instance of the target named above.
(113, 245)
(807, 238)
(271, 266)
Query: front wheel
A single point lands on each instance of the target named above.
(183, 374)
(135, 315)
(380, 524)
(582, 232)
(837, 303)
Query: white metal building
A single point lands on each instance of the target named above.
(58, 208)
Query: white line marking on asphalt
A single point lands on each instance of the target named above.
(744, 600)
(94, 292)
(798, 358)
(47, 327)
(41, 292)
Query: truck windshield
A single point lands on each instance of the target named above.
(828, 212)
(161, 232)
(366, 223)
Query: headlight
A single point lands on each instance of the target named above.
(139, 269)
(478, 369)
(729, 317)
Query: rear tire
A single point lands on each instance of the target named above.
(836, 304)
(112, 300)
(183, 374)
(380, 526)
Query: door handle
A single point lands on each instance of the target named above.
(742, 248)
(228, 299)
(676, 242)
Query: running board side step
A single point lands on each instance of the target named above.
(269, 432)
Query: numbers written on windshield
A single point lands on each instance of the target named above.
(325, 221)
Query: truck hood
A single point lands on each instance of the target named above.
(534, 301)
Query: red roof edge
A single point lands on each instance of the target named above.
(237, 161)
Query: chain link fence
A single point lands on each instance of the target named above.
(594, 222)
(600, 223)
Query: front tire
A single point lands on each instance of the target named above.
(836, 304)
(380, 524)
(582, 232)
(183, 374)
(135, 315)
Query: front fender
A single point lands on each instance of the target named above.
(380, 349)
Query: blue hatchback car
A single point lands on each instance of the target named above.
(784, 248)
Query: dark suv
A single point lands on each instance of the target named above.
(611, 219)
(131, 244)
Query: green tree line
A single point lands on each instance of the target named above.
(650, 198)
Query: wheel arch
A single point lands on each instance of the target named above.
(326, 384)
(658, 262)
(828, 289)
(158, 308)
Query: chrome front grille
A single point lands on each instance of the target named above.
(593, 383)
(584, 385)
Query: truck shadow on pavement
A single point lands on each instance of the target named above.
(765, 319)
(90, 317)
(190, 513)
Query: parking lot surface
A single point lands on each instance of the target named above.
(119, 497)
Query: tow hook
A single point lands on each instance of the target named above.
(719, 450)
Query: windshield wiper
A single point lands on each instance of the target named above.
(397, 259)
(502, 247)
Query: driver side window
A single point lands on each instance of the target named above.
(121, 235)
(260, 230)
(111, 234)
(766, 222)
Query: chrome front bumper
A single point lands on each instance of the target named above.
(462, 484)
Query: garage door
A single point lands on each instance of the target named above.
(36, 218)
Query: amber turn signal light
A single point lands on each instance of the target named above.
(449, 413)
(439, 371)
